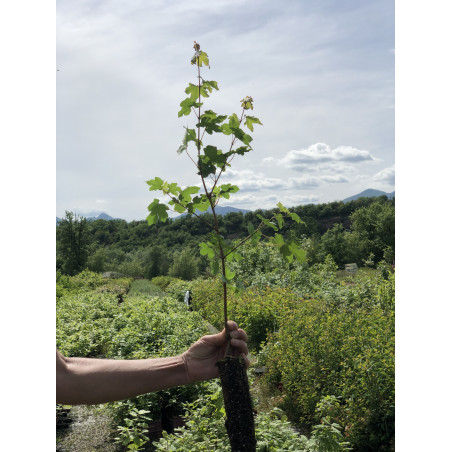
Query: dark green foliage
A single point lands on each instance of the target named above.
(344, 349)
(72, 243)
(185, 265)
(156, 246)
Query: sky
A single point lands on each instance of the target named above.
(321, 75)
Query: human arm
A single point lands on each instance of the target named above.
(93, 381)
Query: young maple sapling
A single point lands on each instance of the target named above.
(210, 163)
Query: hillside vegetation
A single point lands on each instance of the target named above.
(360, 231)
(321, 339)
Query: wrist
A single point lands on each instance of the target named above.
(185, 362)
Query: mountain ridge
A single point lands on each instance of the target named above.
(369, 193)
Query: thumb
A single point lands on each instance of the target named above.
(220, 338)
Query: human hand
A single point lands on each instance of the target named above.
(201, 357)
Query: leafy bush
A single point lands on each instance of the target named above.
(163, 281)
(87, 280)
(153, 326)
(322, 350)
(256, 310)
(185, 265)
(205, 430)
(131, 268)
(91, 323)
(177, 288)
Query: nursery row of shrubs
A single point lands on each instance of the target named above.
(337, 341)
(121, 319)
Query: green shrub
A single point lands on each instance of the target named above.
(256, 310)
(87, 280)
(177, 289)
(163, 281)
(91, 323)
(185, 265)
(321, 350)
(205, 430)
(131, 268)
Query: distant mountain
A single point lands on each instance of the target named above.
(219, 210)
(91, 216)
(102, 216)
(369, 193)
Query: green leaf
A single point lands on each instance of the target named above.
(299, 253)
(268, 222)
(242, 149)
(234, 256)
(186, 105)
(234, 120)
(178, 207)
(211, 83)
(296, 218)
(155, 184)
(158, 212)
(207, 250)
(200, 58)
(211, 121)
(205, 166)
(172, 188)
(185, 194)
(282, 208)
(201, 203)
(192, 90)
(226, 129)
(250, 120)
(214, 155)
(215, 266)
(229, 274)
(286, 253)
(241, 135)
(226, 189)
(280, 219)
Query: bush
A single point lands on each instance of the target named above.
(131, 268)
(205, 430)
(87, 280)
(163, 281)
(185, 265)
(177, 289)
(91, 323)
(321, 350)
(256, 310)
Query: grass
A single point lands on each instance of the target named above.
(144, 286)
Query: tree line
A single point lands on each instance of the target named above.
(361, 231)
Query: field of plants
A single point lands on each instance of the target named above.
(322, 347)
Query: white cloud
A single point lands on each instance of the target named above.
(315, 181)
(321, 154)
(386, 175)
(248, 180)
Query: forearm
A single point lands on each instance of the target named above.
(93, 381)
